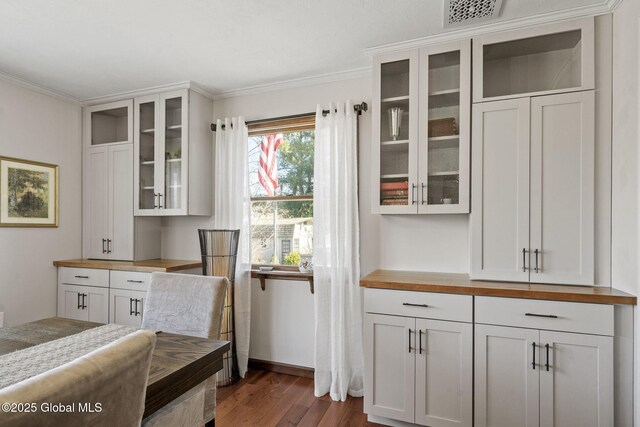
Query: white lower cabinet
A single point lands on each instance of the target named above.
(418, 370)
(83, 303)
(526, 377)
(127, 307)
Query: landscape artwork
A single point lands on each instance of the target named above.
(28, 193)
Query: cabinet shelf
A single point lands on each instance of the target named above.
(444, 98)
(445, 173)
(148, 131)
(399, 145)
(173, 160)
(148, 188)
(396, 99)
(147, 163)
(441, 142)
(394, 175)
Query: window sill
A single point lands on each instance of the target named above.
(282, 275)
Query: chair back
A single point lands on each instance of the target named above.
(185, 304)
(106, 387)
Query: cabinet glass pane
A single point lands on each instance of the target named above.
(147, 155)
(443, 128)
(173, 153)
(394, 133)
(535, 64)
(109, 126)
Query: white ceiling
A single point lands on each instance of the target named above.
(88, 49)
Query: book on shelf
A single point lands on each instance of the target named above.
(404, 185)
(394, 202)
(394, 193)
(442, 127)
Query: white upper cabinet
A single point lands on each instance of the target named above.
(533, 180)
(421, 128)
(108, 123)
(173, 154)
(545, 59)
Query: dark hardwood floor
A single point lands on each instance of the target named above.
(270, 399)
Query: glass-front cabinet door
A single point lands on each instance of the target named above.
(395, 124)
(444, 131)
(160, 147)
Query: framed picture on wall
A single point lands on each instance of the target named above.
(28, 193)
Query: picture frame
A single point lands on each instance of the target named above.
(28, 193)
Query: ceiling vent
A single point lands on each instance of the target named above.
(458, 12)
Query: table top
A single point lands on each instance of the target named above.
(462, 284)
(145, 266)
(179, 362)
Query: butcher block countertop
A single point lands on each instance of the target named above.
(146, 266)
(461, 284)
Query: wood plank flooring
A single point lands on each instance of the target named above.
(271, 399)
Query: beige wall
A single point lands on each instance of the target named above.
(38, 127)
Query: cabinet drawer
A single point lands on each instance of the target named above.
(83, 276)
(419, 304)
(577, 317)
(130, 280)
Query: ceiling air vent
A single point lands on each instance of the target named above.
(459, 12)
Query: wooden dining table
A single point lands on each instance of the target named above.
(179, 362)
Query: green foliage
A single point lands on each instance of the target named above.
(27, 193)
(295, 173)
(274, 260)
(292, 259)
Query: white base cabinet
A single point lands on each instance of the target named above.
(418, 370)
(127, 307)
(83, 303)
(495, 362)
(530, 377)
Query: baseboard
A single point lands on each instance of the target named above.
(281, 368)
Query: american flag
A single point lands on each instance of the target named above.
(268, 171)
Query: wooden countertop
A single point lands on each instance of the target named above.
(461, 284)
(146, 266)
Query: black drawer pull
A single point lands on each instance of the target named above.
(414, 305)
(549, 316)
(135, 281)
(81, 277)
(547, 364)
(533, 364)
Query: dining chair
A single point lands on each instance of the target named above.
(188, 305)
(106, 388)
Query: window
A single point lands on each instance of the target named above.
(281, 182)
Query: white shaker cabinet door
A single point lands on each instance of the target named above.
(121, 196)
(444, 373)
(500, 182)
(507, 380)
(576, 380)
(126, 307)
(562, 188)
(96, 202)
(390, 366)
(83, 303)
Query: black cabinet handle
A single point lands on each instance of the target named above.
(108, 246)
(79, 304)
(533, 364)
(524, 260)
(413, 196)
(422, 193)
(549, 316)
(81, 277)
(414, 305)
(547, 364)
(135, 281)
(409, 340)
(103, 242)
(537, 252)
(84, 302)
(420, 341)
(130, 306)
(137, 313)
(155, 205)
(160, 200)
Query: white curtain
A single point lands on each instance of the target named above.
(232, 211)
(339, 361)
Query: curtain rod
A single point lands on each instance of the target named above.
(358, 108)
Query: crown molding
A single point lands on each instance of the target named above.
(17, 81)
(357, 73)
(147, 91)
(518, 23)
